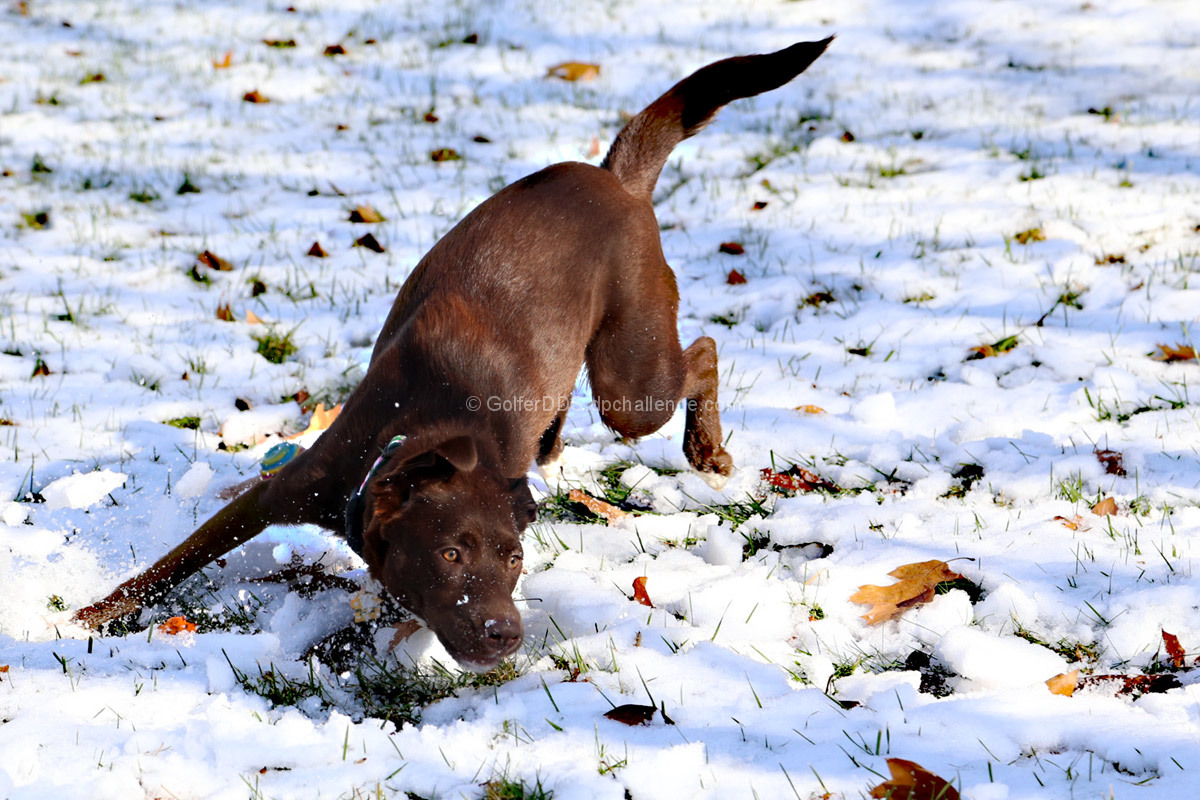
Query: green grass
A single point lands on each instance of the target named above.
(190, 423)
(505, 788)
(398, 694)
(275, 347)
(280, 690)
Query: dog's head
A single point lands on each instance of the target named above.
(442, 533)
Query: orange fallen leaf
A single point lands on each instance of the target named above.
(1105, 508)
(600, 508)
(224, 63)
(735, 278)
(319, 421)
(177, 625)
(911, 781)
(1177, 353)
(1174, 649)
(810, 409)
(639, 591)
(225, 313)
(365, 214)
(316, 251)
(3, 668)
(594, 148)
(252, 318)
(915, 585)
(1074, 523)
(574, 71)
(255, 96)
(444, 154)
(335, 50)
(1063, 683)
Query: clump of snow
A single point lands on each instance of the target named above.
(195, 481)
(82, 489)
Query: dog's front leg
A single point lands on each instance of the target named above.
(237, 522)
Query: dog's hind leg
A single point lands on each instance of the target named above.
(640, 375)
(702, 443)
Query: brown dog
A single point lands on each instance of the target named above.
(560, 269)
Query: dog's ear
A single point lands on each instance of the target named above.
(524, 506)
(459, 452)
(406, 471)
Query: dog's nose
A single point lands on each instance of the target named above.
(504, 633)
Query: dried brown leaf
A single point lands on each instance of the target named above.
(1179, 352)
(1105, 508)
(915, 585)
(600, 508)
(365, 214)
(213, 261)
(911, 781)
(370, 242)
(632, 714)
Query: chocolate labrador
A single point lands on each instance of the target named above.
(471, 377)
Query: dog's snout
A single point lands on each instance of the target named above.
(503, 632)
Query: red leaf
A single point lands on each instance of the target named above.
(732, 248)
(796, 479)
(1174, 649)
(639, 592)
(1111, 459)
(735, 278)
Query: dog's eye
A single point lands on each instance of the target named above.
(514, 561)
(451, 554)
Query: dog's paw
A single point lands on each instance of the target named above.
(551, 471)
(66, 626)
(715, 480)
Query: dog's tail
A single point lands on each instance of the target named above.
(641, 148)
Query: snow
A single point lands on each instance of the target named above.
(874, 269)
(81, 490)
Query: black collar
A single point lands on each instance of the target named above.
(354, 508)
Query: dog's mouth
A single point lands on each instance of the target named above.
(480, 649)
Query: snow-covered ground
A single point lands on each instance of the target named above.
(949, 176)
